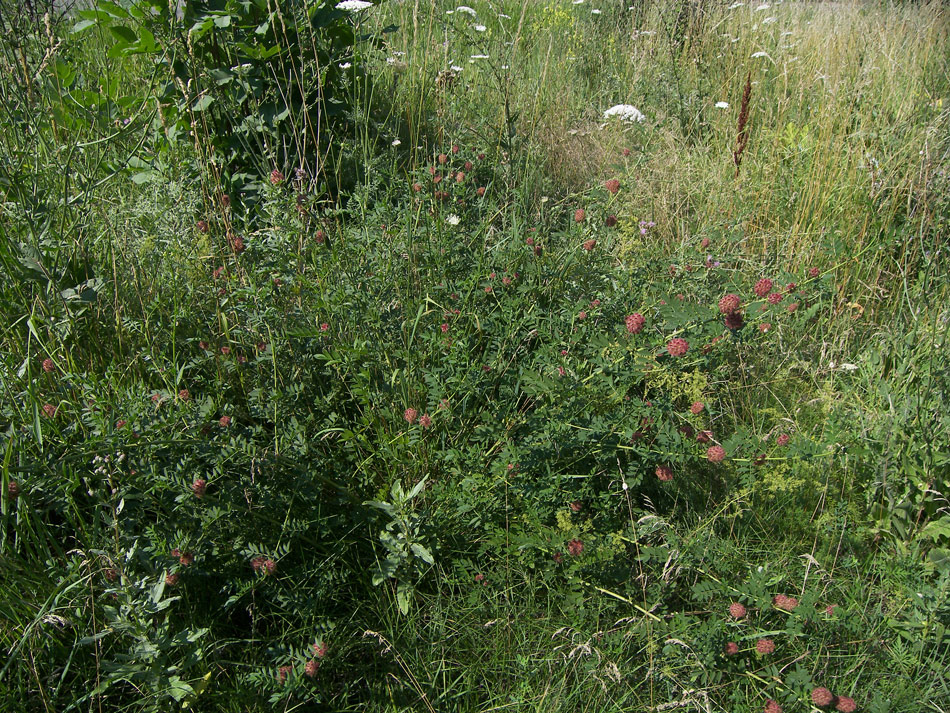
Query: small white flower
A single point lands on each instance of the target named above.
(479, 56)
(480, 28)
(722, 105)
(353, 5)
(465, 8)
(504, 16)
(848, 367)
(626, 112)
(455, 68)
(578, 2)
(769, 20)
(452, 220)
(761, 54)
(595, 12)
(399, 54)
(396, 142)
(735, 5)
(763, 6)
(345, 65)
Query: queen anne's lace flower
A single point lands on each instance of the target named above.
(353, 5)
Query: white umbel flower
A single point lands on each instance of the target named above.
(626, 112)
(353, 5)
(722, 105)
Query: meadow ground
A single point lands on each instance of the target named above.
(512, 356)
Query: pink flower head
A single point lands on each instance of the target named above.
(425, 421)
(202, 226)
(704, 436)
(13, 490)
(610, 221)
(732, 648)
(582, 315)
(765, 646)
(764, 327)
(697, 408)
(270, 566)
(589, 244)
(780, 601)
(224, 421)
(634, 322)
(575, 547)
(772, 707)
(506, 281)
(48, 365)
(613, 185)
(320, 236)
(410, 414)
(793, 306)
(283, 673)
(782, 440)
(737, 610)
(560, 371)
(790, 287)
(171, 579)
(444, 327)
(481, 579)
(455, 148)
(577, 506)
(49, 410)
(677, 347)
(704, 243)
(664, 473)
(276, 177)
(625, 152)
(821, 696)
(480, 191)
(460, 176)
(774, 298)
(320, 649)
(184, 395)
(558, 558)
(225, 350)
(310, 668)
(199, 487)
(468, 165)
(716, 454)
(734, 320)
(324, 327)
(813, 272)
(729, 304)
(845, 704)
(762, 287)
(579, 215)
(186, 559)
(416, 187)
(443, 158)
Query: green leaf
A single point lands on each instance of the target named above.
(203, 103)
(123, 33)
(422, 553)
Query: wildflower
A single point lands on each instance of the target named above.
(560, 371)
(225, 350)
(310, 668)
(460, 176)
(830, 609)
(704, 243)
(202, 226)
(488, 290)
(111, 574)
(783, 439)
(480, 191)
(506, 281)
(119, 425)
(780, 601)
(577, 506)
(48, 365)
(625, 112)
(276, 177)
(284, 671)
(199, 487)
(634, 322)
(270, 566)
(793, 306)
(765, 646)
(444, 327)
(224, 421)
(184, 395)
(763, 287)
(186, 559)
(425, 421)
(437, 178)
(455, 148)
(729, 304)
(790, 287)
(821, 696)
(203, 345)
(13, 490)
(558, 558)
(49, 410)
(664, 473)
(225, 200)
(537, 250)
(320, 649)
(468, 164)
(845, 704)
(610, 221)
(443, 158)
(697, 408)
(716, 454)
(589, 244)
(480, 28)
(171, 579)
(481, 579)
(579, 215)
(732, 648)
(575, 547)
(734, 320)
(704, 436)
(722, 105)
(613, 185)
(410, 415)
(353, 5)
(582, 315)
(452, 219)
(595, 303)
(772, 707)
(737, 610)
(237, 244)
(813, 272)
(677, 347)
(764, 327)
(320, 236)
(417, 187)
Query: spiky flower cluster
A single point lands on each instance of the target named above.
(763, 287)
(765, 646)
(772, 707)
(199, 487)
(821, 696)
(677, 347)
(729, 303)
(780, 601)
(716, 454)
(575, 547)
(635, 322)
(664, 473)
(697, 408)
(737, 610)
